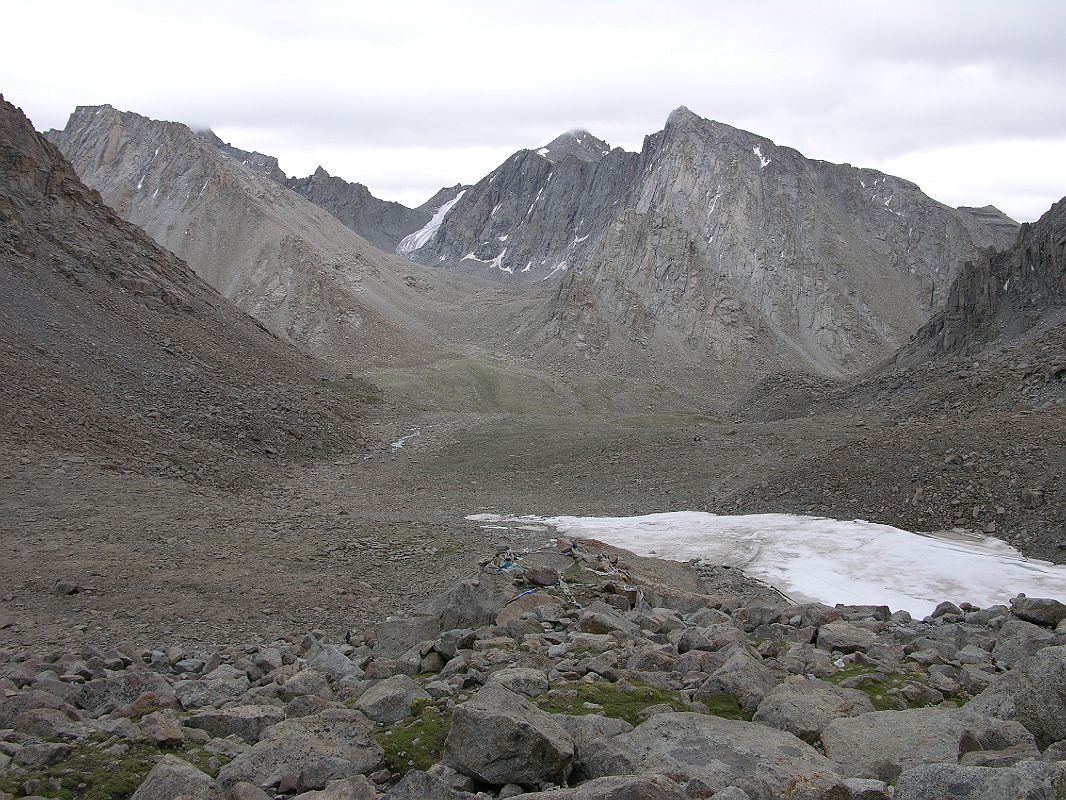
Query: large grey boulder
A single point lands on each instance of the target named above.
(215, 693)
(1039, 610)
(247, 722)
(336, 743)
(883, 744)
(743, 677)
(718, 753)
(30, 699)
(1033, 693)
(499, 737)
(622, 787)
(419, 785)
(847, 637)
(523, 680)
(357, 788)
(1018, 640)
(391, 700)
(332, 662)
(173, 778)
(119, 689)
(1030, 780)
(804, 707)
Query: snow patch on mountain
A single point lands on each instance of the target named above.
(419, 238)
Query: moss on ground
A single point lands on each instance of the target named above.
(418, 741)
(884, 693)
(725, 706)
(612, 700)
(90, 773)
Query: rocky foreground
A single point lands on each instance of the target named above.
(573, 671)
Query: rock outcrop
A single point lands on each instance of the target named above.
(380, 222)
(279, 257)
(155, 366)
(716, 244)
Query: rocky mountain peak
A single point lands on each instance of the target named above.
(578, 144)
(259, 163)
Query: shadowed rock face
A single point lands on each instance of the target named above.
(1001, 295)
(380, 222)
(717, 243)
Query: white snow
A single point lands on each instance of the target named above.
(830, 561)
(579, 239)
(560, 267)
(413, 241)
(495, 208)
(503, 238)
(535, 199)
(543, 152)
(714, 202)
(399, 443)
(496, 262)
(757, 150)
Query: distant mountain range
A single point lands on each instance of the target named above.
(712, 251)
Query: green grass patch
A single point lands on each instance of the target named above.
(418, 741)
(570, 698)
(884, 694)
(89, 773)
(726, 707)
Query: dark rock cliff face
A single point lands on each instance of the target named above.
(1001, 295)
(716, 244)
(380, 222)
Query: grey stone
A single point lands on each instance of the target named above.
(215, 693)
(1018, 639)
(762, 761)
(356, 788)
(119, 689)
(523, 680)
(805, 707)
(334, 744)
(1026, 781)
(391, 700)
(743, 677)
(883, 744)
(173, 778)
(330, 661)
(846, 637)
(419, 785)
(499, 737)
(1033, 693)
(647, 787)
(1039, 610)
(247, 722)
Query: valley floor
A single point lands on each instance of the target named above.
(337, 544)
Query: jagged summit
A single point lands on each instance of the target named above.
(259, 163)
(578, 144)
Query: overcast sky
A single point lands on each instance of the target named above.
(968, 99)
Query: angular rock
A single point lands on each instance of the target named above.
(499, 737)
(419, 785)
(1031, 780)
(622, 787)
(334, 744)
(720, 753)
(743, 677)
(805, 707)
(390, 700)
(1033, 693)
(1038, 610)
(846, 637)
(522, 680)
(357, 788)
(247, 722)
(173, 778)
(883, 744)
(119, 689)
